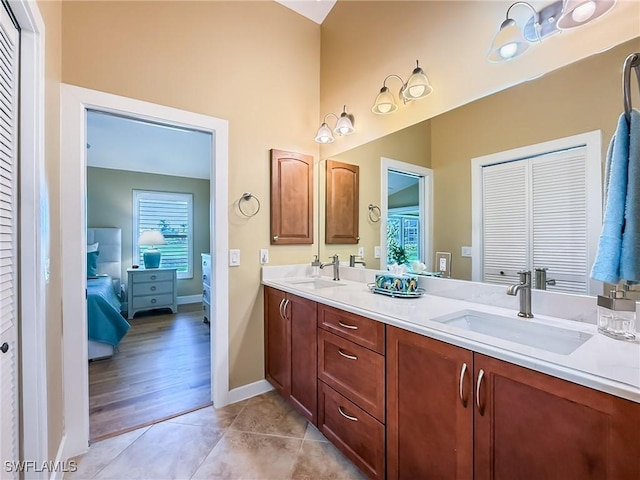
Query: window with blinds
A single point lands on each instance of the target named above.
(172, 215)
(535, 216)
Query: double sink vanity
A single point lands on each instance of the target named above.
(453, 385)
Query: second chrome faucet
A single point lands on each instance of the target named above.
(524, 289)
(336, 267)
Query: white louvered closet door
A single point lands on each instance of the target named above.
(9, 57)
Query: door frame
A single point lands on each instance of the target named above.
(426, 211)
(73, 106)
(34, 238)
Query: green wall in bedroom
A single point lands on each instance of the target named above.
(110, 204)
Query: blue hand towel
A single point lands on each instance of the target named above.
(606, 267)
(630, 254)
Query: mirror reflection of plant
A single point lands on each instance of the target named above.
(398, 254)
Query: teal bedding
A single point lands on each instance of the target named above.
(106, 324)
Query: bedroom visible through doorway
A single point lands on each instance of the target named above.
(146, 178)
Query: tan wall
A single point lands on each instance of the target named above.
(51, 15)
(576, 99)
(256, 64)
(363, 42)
(110, 204)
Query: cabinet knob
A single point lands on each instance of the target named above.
(153, 300)
(4, 348)
(204, 277)
(153, 288)
(153, 277)
(275, 238)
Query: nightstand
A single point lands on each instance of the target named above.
(206, 287)
(151, 289)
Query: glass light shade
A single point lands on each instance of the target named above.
(151, 237)
(576, 13)
(344, 125)
(384, 103)
(508, 43)
(417, 85)
(324, 134)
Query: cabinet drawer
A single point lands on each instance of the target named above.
(153, 276)
(357, 434)
(354, 371)
(206, 293)
(363, 331)
(153, 288)
(206, 311)
(206, 269)
(153, 301)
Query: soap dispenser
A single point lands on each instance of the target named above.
(315, 267)
(617, 316)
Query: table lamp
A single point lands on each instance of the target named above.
(152, 255)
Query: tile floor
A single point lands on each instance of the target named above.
(262, 438)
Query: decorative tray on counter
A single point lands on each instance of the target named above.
(394, 293)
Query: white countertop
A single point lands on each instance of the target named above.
(601, 363)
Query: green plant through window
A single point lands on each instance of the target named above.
(403, 239)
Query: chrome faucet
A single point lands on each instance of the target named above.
(336, 267)
(541, 279)
(353, 261)
(524, 287)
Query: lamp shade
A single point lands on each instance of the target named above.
(344, 126)
(151, 256)
(384, 103)
(508, 43)
(576, 13)
(324, 134)
(417, 86)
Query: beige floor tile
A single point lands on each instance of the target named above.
(314, 434)
(323, 461)
(213, 417)
(165, 451)
(250, 456)
(100, 454)
(270, 414)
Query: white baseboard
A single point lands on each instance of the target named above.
(189, 299)
(248, 391)
(61, 461)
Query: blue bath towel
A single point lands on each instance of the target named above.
(618, 255)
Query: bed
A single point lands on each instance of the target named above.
(106, 325)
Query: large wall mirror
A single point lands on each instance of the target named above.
(583, 97)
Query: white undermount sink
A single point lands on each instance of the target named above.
(518, 330)
(315, 283)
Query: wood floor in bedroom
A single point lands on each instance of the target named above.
(162, 369)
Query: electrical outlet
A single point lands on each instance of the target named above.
(234, 258)
(376, 252)
(264, 256)
(443, 261)
(465, 252)
(361, 251)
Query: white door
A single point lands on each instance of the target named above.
(9, 406)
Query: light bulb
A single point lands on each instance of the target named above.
(384, 107)
(416, 91)
(583, 12)
(343, 130)
(508, 50)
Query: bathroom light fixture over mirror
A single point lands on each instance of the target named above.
(511, 41)
(415, 88)
(344, 126)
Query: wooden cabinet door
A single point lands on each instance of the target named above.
(341, 203)
(532, 426)
(277, 342)
(291, 198)
(302, 320)
(429, 408)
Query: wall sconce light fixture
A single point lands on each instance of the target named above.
(344, 126)
(511, 41)
(416, 87)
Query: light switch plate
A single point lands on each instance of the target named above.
(376, 252)
(264, 256)
(465, 252)
(234, 258)
(443, 263)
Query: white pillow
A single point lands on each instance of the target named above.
(92, 247)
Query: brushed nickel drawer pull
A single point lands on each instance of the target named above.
(346, 355)
(478, 383)
(286, 304)
(281, 304)
(349, 417)
(345, 325)
(463, 370)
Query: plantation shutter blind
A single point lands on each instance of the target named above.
(172, 215)
(505, 226)
(560, 219)
(9, 58)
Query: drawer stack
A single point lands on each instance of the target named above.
(151, 289)
(206, 287)
(351, 386)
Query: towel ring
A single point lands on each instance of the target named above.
(245, 198)
(632, 61)
(374, 213)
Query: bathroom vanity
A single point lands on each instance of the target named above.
(407, 388)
